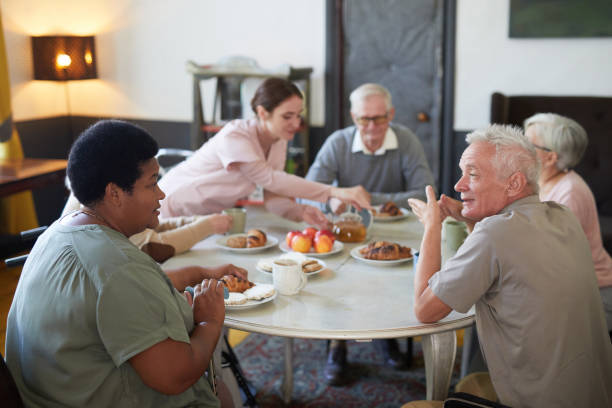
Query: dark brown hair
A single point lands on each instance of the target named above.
(272, 92)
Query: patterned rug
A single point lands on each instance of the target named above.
(372, 384)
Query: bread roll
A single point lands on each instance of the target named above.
(237, 242)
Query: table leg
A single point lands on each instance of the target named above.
(439, 351)
(287, 386)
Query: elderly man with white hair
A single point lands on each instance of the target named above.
(560, 143)
(388, 160)
(524, 267)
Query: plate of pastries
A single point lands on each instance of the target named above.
(255, 240)
(388, 212)
(382, 253)
(310, 266)
(244, 294)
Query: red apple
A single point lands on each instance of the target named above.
(301, 243)
(325, 232)
(323, 243)
(311, 232)
(290, 236)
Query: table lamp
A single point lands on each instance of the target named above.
(64, 58)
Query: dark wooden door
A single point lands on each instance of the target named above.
(398, 44)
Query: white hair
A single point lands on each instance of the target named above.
(364, 91)
(562, 135)
(513, 152)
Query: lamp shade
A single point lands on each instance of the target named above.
(64, 58)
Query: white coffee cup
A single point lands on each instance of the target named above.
(287, 276)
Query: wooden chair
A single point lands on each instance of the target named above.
(477, 384)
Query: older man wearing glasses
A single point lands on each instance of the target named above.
(388, 160)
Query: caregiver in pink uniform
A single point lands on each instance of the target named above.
(247, 153)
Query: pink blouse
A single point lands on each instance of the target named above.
(574, 193)
(229, 167)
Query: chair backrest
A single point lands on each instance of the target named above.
(595, 115)
(170, 157)
(9, 394)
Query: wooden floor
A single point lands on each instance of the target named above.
(8, 282)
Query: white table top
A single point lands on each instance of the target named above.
(349, 300)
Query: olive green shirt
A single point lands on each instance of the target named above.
(88, 300)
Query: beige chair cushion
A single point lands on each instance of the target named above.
(478, 384)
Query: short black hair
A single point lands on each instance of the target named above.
(109, 151)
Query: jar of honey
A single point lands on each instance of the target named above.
(349, 228)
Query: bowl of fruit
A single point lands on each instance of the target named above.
(312, 242)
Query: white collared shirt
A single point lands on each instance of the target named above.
(389, 143)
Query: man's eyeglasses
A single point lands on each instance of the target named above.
(377, 120)
(546, 149)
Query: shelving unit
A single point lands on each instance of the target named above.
(202, 130)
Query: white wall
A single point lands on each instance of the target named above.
(488, 61)
(142, 47)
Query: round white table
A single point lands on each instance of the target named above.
(350, 300)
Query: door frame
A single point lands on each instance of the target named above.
(334, 83)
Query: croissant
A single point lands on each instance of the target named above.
(385, 251)
(256, 238)
(390, 208)
(236, 284)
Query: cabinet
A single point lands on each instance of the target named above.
(229, 103)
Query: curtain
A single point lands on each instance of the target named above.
(17, 211)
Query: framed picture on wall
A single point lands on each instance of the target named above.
(560, 18)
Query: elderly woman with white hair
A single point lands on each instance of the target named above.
(560, 143)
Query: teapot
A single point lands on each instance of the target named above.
(352, 226)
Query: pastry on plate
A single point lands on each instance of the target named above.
(256, 238)
(259, 291)
(385, 251)
(388, 209)
(239, 241)
(265, 264)
(311, 265)
(235, 298)
(236, 284)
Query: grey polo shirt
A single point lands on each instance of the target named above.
(539, 316)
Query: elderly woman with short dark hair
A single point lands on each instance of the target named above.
(95, 321)
(560, 143)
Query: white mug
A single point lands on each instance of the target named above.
(287, 276)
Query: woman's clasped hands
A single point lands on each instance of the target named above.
(207, 302)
